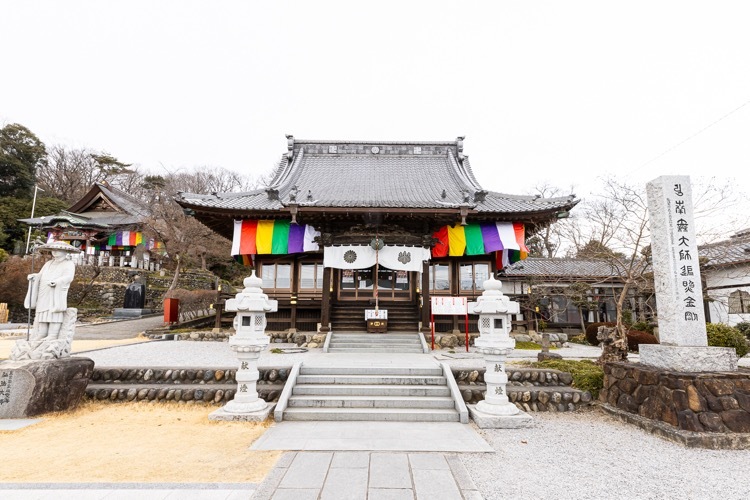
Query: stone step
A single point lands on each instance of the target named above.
(365, 350)
(371, 390)
(370, 402)
(376, 345)
(373, 339)
(369, 370)
(376, 379)
(372, 414)
(402, 336)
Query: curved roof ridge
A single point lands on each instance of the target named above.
(294, 167)
(458, 173)
(470, 173)
(283, 165)
(389, 143)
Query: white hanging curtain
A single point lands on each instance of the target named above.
(401, 258)
(349, 257)
(398, 258)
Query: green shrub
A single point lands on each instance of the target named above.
(721, 335)
(744, 328)
(587, 376)
(643, 326)
(579, 339)
(627, 318)
(530, 346)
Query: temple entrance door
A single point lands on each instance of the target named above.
(358, 285)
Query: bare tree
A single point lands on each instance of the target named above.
(69, 173)
(614, 225)
(547, 241)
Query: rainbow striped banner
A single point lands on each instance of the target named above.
(272, 237)
(506, 239)
(125, 239)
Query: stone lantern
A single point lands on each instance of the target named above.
(251, 306)
(495, 312)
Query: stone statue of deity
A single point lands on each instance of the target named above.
(135, 294)
(54, 321)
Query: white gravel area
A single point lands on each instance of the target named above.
(590, 455)
(216, 354)
(183, 353)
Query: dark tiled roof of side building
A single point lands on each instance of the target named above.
(562, 268)
(731, 252)
(356, 174)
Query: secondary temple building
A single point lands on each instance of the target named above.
(349, 226)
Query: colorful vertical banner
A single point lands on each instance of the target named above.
(272, 237)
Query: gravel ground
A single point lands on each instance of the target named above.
(199, 354)
(589, 455)
(581, 455)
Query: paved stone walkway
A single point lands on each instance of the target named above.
(115, 330)
(368, 475)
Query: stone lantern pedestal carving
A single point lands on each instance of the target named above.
(250, 324)
(494, 342)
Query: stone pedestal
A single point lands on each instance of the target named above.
(250, 323)
(689, 358)
(30, 388)
(127, 312)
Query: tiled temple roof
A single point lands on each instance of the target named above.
(562, 268)
(731, 252)
(358, 174)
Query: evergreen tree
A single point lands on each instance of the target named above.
(21, 153)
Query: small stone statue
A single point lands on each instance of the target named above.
(54, 321)
(135, 294)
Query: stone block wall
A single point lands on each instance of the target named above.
(108, 290)
(530, 389)
(162, 384)
(696, 402)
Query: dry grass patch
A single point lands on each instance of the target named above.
(135, 442)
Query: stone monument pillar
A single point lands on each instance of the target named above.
(41, 376)
(495, 311)
(677, 280)
(250, 324)
(134, 302)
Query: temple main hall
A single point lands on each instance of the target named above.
(346, 227)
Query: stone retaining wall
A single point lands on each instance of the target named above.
(208, 385)
(697, 402)
(531, 389)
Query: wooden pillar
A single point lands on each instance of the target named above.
(426, 297)
(294, 284)
(325, 305)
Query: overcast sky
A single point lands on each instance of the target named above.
(560, 91)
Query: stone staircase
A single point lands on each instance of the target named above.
(406, 394)
(350, 317)
(376, 342)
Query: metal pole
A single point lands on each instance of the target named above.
(33, 206)
(28, 326)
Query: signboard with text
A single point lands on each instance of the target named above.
(452, 306)
(674, 249)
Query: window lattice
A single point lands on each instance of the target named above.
(739, 302)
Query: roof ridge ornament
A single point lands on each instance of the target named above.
(290, 144)
(460, 146)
